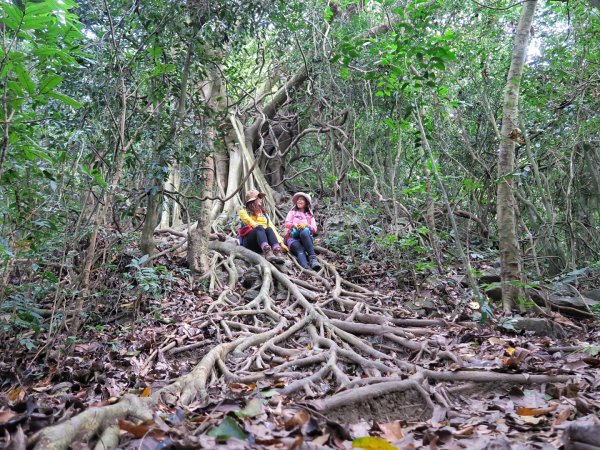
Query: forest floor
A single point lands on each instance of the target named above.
(495, 387)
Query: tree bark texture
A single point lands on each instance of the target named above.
(510, 258)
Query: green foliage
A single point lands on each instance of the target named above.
(359, 242)
(228, 428)
(592, 350)
(148, 280)
(485, 309)
(524, 303)
(19, 315)
(40, 53)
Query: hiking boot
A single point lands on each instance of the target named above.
(314, 263)
(278, 252)
(270, 256)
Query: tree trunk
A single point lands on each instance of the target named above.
(241, 147)
(153, 209)
(198, 237)
(171, 211)
(155, 196)
(510, 258)
(213, 97)
(555, 244)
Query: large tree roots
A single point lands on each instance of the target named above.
(324, 342)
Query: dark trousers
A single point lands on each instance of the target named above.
(258, 237)
(303, 246)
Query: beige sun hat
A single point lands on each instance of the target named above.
(302, 194)
(253, 194)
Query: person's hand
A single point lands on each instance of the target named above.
(284, 247)
(301, 226)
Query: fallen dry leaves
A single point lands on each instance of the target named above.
(117, 359)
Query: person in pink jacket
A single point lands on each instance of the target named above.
(301, 225)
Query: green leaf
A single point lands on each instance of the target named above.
(591, 350)
(45, 6)
(344, 73)
(37, 22)
(53, 52)
(155, 50)
(33, 153)
(25, 79)
(372, 443)
(48, 83)
(95, 174)
(29, 154)
(163, 68)
(270, 392)
(15, 87)
(391, 123)
(229, 428)
(252, 409)
(65, 99)
(13, 15)
(7, 67)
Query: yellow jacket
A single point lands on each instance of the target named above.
(260, 219)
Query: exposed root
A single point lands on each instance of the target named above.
(305, 332)
(385, 401)
(91, 422)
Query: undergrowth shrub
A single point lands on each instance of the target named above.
(360, 237)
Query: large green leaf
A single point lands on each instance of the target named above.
(48, 83)
(15, 87)
(55, 52)
(95, 174)
(46, 6)
(13, 15)
(5, 69)
(229, 428)
(25, 79)
(37, 22)
(65, 99)
(252, 409)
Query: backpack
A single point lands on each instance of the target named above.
(243, 230)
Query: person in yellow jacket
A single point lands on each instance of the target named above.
(257, 232)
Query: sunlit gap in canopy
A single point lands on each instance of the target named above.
(546, 30)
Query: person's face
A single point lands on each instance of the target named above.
(258, 201)
(301, 203)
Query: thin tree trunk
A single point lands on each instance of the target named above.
(429, 203)
(197, 254)
(459, 247)
(155, 196)
(107, 200)
(488, 109)
(569, 212)
(176, 185)
(153, 213)
(556, 244)
(393, 174)
(510, 258)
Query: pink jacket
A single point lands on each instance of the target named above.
(295, 217)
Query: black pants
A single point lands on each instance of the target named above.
(258, 237)
(302, 246)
